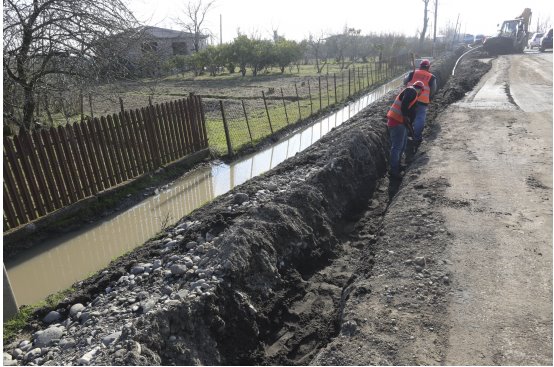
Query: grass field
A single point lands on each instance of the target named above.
(290, 96)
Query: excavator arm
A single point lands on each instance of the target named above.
(525, 18)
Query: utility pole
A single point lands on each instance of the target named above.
(220, 29)
(435, 27)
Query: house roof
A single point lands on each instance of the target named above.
(168, 33)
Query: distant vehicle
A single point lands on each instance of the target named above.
(479, 38)
(468, 39)
(535, 40)
(546, 41)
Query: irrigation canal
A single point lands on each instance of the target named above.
(61, 262)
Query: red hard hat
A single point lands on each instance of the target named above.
(424, 63)
(419, 84)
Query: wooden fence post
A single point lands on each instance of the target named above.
(41, 150)
(327, 89)
(342, 85)
(335, 84)
(319, 86)
(30, 149)
(354, 79)
(267, 111)
(27, 179)
(284, 106)
(310, 94)
(226, 129)
(247, 123)
(63, 189)
(348, 82)
(10, 183)
(298, 101)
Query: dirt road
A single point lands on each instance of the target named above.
(462, 271)
(495, 148)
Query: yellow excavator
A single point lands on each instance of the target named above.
(512, 37)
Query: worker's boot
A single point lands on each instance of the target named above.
(409, 152)
(416, 145)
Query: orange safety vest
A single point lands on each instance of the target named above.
(425, 77)
(395, 111)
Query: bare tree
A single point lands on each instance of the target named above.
(51, 41)
(425, 22)
(319, 51)
(195, 14)
(543, 24)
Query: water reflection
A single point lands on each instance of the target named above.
(59, 263)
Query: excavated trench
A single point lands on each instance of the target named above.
(273, 259)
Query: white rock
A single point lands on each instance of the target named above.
(178, 269)
(46, 337)
(75, 309)
(109, 339)
(87, 357)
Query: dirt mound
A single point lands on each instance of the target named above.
(262, 275)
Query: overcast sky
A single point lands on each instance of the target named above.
(297, 19)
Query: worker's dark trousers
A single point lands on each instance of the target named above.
(398, 139)
(419, 121)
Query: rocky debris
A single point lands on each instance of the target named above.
(266, 275)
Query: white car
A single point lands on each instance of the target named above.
(535, 40)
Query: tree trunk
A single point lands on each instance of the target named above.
(28, 107)
(425, 21)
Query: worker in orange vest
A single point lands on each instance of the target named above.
(399, 122)
(430, 87)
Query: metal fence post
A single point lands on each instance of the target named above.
(226, 129)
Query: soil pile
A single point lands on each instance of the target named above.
(279, 270)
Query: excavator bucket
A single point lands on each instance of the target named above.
(499, 45)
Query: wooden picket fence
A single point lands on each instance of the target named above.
(48, 169)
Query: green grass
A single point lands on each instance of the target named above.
(257, 114)
(14, 325)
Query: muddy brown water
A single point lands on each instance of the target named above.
(61, 262)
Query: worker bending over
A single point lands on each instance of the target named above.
(400, 116)
(430, 87)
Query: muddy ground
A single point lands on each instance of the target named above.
(297, 266)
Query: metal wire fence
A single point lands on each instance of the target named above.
(234, 124)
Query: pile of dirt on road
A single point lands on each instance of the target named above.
(271, 273)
